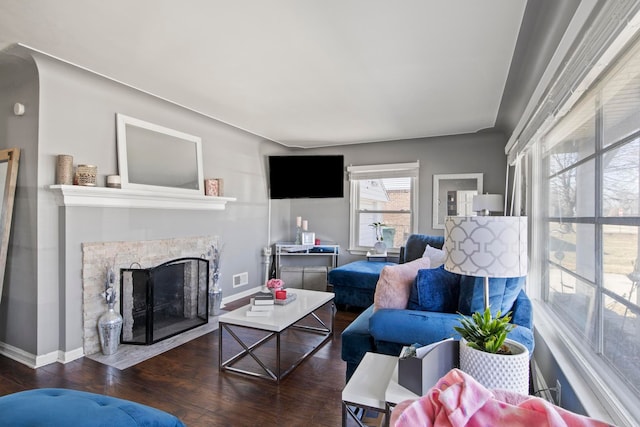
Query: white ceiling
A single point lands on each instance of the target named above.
(304, 73)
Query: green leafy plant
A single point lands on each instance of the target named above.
(485, 332)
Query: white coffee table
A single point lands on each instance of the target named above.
(282, 318)
(374, 385)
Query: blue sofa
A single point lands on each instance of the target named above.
(437, 298)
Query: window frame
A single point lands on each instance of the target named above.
(591, 376)
(381, 171)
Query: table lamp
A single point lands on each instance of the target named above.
(484, 204)
(487, 246)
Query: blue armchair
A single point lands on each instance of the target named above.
(437, 296)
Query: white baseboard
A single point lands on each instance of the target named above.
(70, 356)
(18, 355)
(33, 361)
(243, 294)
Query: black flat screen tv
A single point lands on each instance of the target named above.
(299, 177)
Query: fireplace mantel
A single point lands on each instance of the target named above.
(105, 197)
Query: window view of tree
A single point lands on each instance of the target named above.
(388, 201)
(592, 191)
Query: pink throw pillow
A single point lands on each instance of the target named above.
(394, 284)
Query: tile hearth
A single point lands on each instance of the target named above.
(96, 257)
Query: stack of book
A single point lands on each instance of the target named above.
(262, 304)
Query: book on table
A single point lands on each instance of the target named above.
(251, 313)
(263, 298)
(257, 307)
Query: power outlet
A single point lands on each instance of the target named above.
(240, 279)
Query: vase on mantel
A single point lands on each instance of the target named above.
(109, 328)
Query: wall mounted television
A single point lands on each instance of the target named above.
(299, 177)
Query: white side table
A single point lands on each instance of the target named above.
(395, 393)
(371, 385)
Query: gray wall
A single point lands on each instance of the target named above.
(18, 308)
(481, 152)
(41, 311)
(76, 115)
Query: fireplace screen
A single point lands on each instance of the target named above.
(159, 302)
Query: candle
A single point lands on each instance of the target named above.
(305, 225)
(298, 221)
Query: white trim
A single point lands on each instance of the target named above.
(18, 354)
(580, 17)
(384, 167)
(70, 356)
(381, 171)
(105, 197)
(605, 36)
(597, 398)
(37, 361)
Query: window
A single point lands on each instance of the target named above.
(587, 221)
(386, 194)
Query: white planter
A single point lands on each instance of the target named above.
(498, 371)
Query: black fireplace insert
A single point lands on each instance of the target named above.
(163, 301)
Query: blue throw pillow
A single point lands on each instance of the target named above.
(435, 289)
(502, 294)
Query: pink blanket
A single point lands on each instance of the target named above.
(459, 400)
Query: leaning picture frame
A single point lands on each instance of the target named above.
(156, 158)
(308, 238)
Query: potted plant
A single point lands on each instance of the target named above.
(380, 247)
(489, 357)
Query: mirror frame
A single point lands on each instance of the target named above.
(12, 157)
(124, 161)
(443, 178)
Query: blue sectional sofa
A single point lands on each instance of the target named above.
(437, 297)
(354, 284)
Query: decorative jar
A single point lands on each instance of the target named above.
(109, 328)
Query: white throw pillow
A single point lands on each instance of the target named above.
(435, 255)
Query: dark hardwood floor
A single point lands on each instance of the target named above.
(186, 382)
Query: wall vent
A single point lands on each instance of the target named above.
(240, 279)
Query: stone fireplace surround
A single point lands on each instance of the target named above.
(98, 256)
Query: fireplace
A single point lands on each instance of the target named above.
(163, 301)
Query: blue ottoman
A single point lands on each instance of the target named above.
(354, 284)
(70, 408)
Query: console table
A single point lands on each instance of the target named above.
(327, 254)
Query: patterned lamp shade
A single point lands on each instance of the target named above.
(489, 246)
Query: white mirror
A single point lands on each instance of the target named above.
(152, 157)
(453, 195)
